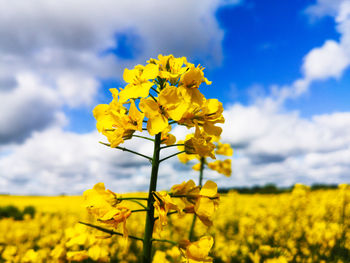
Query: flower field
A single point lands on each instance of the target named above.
(301, 226)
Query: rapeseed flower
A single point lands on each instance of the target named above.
(197, 251)
(138, 79)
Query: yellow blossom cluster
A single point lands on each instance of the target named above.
(160, 94)
(185, 198)
(188, 198)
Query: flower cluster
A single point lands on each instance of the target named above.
(187, 198)
(104, 204)
(160, 94)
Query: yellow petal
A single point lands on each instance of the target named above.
(129, 75)
(150, 71)
(157, 124)
(200, 249)
(209, 189)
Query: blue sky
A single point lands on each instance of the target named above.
(264, 44)
(281, 69)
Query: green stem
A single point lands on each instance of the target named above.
(147, 240)
(168, 214)
(173, 145)
(137, 202)
(191, 234)
(165, 240)
(153, 97)
(127, 150)
(132, 198)
(201, 172)
(139, 210)
(191, 196)
(111, 232)
(155, 90)
(143, 137)
(171, 156)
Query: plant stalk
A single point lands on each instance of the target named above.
(147, 240)
(191, 234)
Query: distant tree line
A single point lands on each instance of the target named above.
(272, 189)
(15, 213)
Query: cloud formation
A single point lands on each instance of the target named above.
(325, 62)
(270, 146)
(53, 53)
(31, 106)
(282, 147)
(61, 47)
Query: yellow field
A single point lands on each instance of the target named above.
(301, 226)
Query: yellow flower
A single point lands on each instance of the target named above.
(77, 255)
(184, 157)
(98, 200)
(104, 204)
(115, 216)
(202, 202)
(134, 120)
(185, 188)
(138, 79)
(192, 96)
(170, 68)
(193, 77)
(196, 167)
(166, 137)
(197, 251)
(99, 253)
(160, 257)
(206, 116)
(162, 204)
(173, 103)
(169, 104)
(189, 194)
(223, 167)
(200, 144)
(207, 203)
(30, 256)
(59, 252)
(113, 121)
(109, 114)
(9, 252)
(157, 121)
(224, 149)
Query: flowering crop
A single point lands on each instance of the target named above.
(301, 226)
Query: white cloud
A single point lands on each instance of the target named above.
(50, 57)
(282, 147)
(270, 146)
(54, 161)
(333, 57)
(330, 60)
(30, 106)
(62, 45)
(324, 7)
(75, 95)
